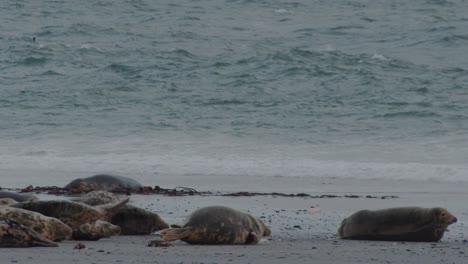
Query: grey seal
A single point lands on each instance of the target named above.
(219, 225)
(48, 227)
(13, 234)
(104, 182)
(137, 221)
(72, 213)
(398, 224)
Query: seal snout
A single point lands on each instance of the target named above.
(454, 220)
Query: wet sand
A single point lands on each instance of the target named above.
(303, 229)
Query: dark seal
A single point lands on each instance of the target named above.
(104, 182)
(137, 221)
(397, 224)
(219, 225)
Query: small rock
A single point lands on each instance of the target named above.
(159, 243)
(79, 246)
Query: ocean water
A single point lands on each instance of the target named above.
(233, 89)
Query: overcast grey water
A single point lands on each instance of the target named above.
(345, 89)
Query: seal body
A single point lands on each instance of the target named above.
(219, 225)
(72, 213)
(104, 182)
(95, 231)
(48, 227)
(19, 197)
(13, 234)
(137, 221)
(397, 224)
(7, 201)
(99, 198)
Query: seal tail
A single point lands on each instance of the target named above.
(171, 234)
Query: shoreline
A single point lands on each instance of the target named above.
(299, 234)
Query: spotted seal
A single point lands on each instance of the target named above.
(397, 224)
(13, 234)
(218, 225)
(72, 213)
(48, 227)
(104, 182)
(95, 231)
(137, 221)
(98, 198)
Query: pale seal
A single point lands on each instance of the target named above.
(13, 234)
(218, 225)
(104, 182)
(7, 201)
(19, 197)
(98, 198)
(137, 221)
(48, 227)
(397, 224)
(72, 213)
(95, 231)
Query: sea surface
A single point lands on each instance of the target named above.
(232, 89)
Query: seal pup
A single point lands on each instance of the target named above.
(104, 182)
(218, 225)
(13, 234)
(95, 231)
(72, 213)
(98, 198)
(398, 224)
(48, 227)
(137, 221)
(19, 197)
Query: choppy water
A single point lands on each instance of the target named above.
(230, 88)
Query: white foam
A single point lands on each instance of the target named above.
(282, 10)
(379, 57)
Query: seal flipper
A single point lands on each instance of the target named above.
(252, 238)
(171, 234)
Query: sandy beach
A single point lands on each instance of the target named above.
(303, 229)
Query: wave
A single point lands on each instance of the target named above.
(231, 161)
(34, 61)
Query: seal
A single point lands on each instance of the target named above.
(19, 197)
(104, 182)
(48, 227)
(137, 221)
(95, 231)
(7, 201)
(397, 224)
(13, 234)
(98, 198)
(72, 213)
(218, 225)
